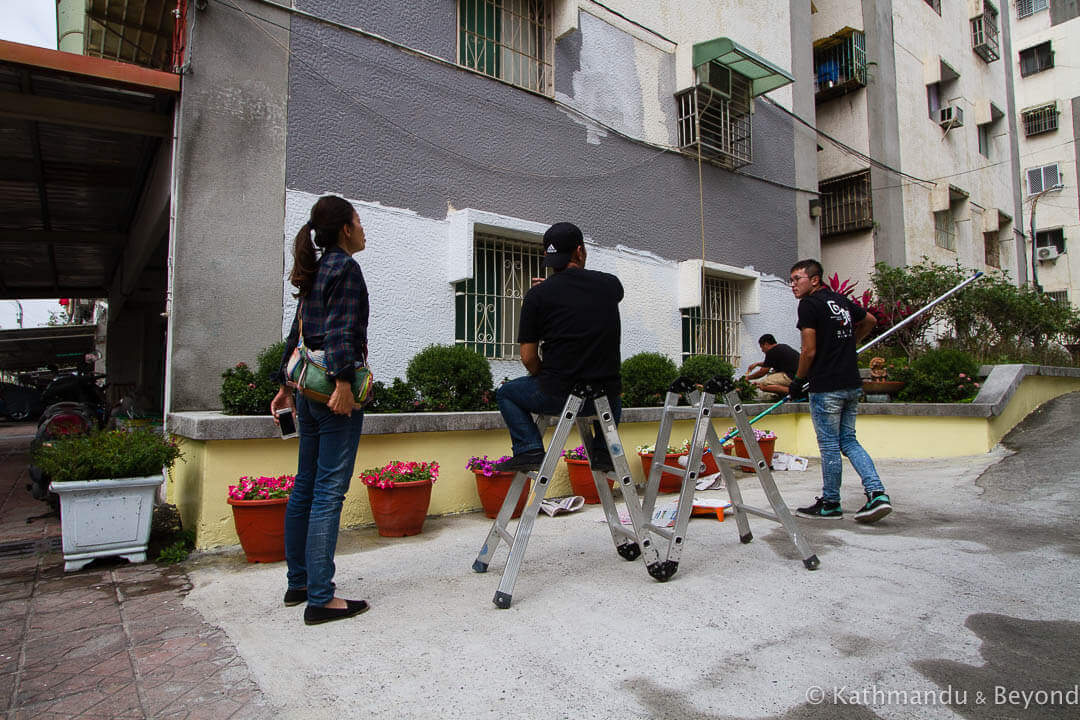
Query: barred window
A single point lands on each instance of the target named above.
(487, 309)
(846, 203)
(1061, 296)
(839, 64)
(991, 249)
(1025, 8)
(713, 328)
(1040, 119)
(984, 33)
(945, 230)
(508, 39)
(724, 115)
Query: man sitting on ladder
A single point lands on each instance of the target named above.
(569, 332)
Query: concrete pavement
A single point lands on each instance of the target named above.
(962, 603)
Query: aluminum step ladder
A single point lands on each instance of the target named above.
(626, 539)
(700, 408)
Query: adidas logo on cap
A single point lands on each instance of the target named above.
(551, 249)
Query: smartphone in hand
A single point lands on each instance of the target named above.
(286, 423)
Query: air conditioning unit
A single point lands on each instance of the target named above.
(951, 116)
(1047, 253)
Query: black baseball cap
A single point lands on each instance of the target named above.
(560, 241)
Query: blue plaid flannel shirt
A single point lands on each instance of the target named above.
(335, 316)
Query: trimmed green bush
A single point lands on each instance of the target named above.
(702, 368)
(941, 375)
(646, 378)
(397, 397)
(247, 392)
(106, 454)
(450, 378)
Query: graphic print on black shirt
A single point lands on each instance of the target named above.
(833, 318)
(575, 314)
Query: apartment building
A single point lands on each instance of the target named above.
(915, 156)
(1046, 67)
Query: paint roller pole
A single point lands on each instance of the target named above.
(884, 335)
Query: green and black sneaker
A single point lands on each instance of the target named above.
(822, 509)
(877, 506)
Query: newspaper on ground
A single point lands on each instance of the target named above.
(558, 506)
(786, 461)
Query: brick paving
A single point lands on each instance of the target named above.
(113, 640)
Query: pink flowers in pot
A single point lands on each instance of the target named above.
(577, 453)
(759, 435)
(397, 472)
(262, 487)
(484, 465)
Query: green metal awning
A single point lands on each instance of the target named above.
(763, 75)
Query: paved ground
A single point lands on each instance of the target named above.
(963, 603)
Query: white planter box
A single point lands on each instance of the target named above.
(106, 518)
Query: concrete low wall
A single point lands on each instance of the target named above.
(219, 449)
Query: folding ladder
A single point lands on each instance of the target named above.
(700, 408)
(625, 539)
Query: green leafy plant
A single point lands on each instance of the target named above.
(702, 368)
(940, 375)
(397, 397)
(646, 378)
(179, 550)
(450, 378)
(247, 392)
(107, 454)
(169, 542)
(746, 389)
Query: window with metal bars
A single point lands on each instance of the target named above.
(1061, 296)
(1024, 8)
(991, 249)
(724, 116)
(839, 64)
(1040, 119)
(945, 230)
(984, 34)
(508, 39)
(1036, 59)
(487, 309)
(846, 204)
(713, 328)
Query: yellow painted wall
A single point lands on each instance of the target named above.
(198, 485)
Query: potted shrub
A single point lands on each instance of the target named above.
(581, 476)
(258, 505)
(669, 482)
(399, 494)
(492, 485)
(107, 481)
(766, 440)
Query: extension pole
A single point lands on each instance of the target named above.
(978, 274)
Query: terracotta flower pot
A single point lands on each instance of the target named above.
(261, 527)
(669, 482)
(493, 489)
(581, 480)
(767, 448)
(400, 510)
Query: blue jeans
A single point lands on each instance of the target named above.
(327, 455)
(520, 397)
(833, 414)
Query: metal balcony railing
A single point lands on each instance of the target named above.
(725, 122)
(839, 64)
(1040, 119)
(984, 36)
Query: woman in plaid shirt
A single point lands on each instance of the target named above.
(334, 304)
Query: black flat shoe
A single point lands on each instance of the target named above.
(318, 615)
(295, 597)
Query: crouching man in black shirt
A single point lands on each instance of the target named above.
(831, 325)
(569, 332)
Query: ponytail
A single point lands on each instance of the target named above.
(328, 216)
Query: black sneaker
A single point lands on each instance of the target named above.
(877, 506)
(522, 462)
(822, 509)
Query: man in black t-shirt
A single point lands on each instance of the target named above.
(831, 325)
(570, 331)
(781, 363)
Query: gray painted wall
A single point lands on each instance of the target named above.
(378, 124)
(227, 264)
(884, 133)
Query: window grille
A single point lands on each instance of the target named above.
(944, 230)
(840, 65)
(487, 310)
(846, 204)
(1043, 178)
(992, 249)
(984, 34)
(508, 39)
(1061, 296)
(713, 328)
(1036, 59)
(724, 121)
(1040, 119)
(1051, 238)
(1025, 8)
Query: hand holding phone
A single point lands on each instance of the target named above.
(286, 423)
